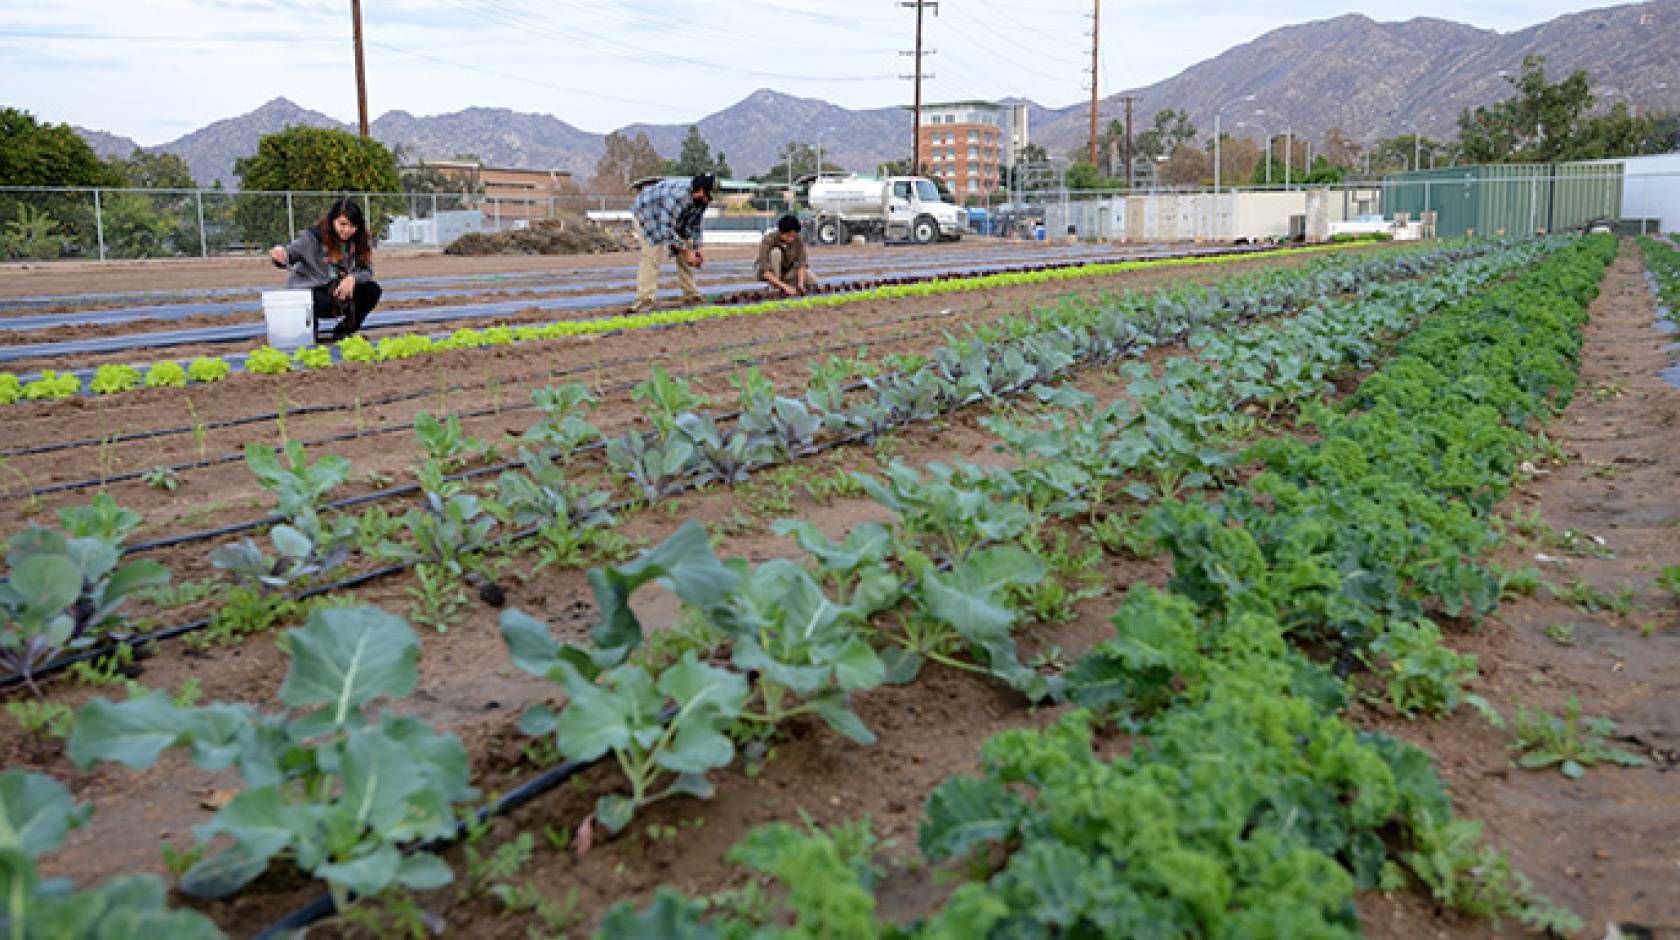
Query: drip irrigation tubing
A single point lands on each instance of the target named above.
(563, 283)
(242, 332)
(221, 459)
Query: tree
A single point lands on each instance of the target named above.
(150, 225)
(36, 154)
(696, 155)
(43, 225)
(319, 159)
(1238, 156)
(1546, 122)
(325, 160)
(1187, 166)
(1172, 129)
(142, 170)
(1406, 152)
(721, 167)
(625, 160)
(797, 159)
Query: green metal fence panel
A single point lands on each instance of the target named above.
(1583, 193)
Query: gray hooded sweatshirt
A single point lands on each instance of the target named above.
(310, 267)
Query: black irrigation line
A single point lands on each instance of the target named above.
(310, 410)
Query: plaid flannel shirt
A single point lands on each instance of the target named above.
(667, 214)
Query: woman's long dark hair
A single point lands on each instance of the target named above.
(361, 245)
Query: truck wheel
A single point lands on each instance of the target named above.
(831, 232)
(924, 230)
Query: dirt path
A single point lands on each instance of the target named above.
(1607, 845)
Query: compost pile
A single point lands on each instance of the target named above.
(567, 235)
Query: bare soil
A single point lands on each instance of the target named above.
(1607, 846)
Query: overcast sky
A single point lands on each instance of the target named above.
(156, 69)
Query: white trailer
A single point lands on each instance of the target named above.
(897, 208)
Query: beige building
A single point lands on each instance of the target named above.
(512, 192)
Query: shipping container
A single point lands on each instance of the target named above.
(1506, 199)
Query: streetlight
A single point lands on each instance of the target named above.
(1268, 133)
(1216, 147)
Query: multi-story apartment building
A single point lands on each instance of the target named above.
(971, 144)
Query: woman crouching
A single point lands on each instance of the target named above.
(334, 259)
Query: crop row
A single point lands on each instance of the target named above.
(1247, 805)
(1662, 265)
(453, 528)
(962, 550)
(53, 385)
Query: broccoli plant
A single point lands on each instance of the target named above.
(666, 398)
(786, 425)
(35, 814)
(445, 442)
(542, 496)
(564, 426)
(447, 531)
(623, 711)
(295, 482)
(656, 465)
(329, 786)
(727, 457)
(63, 593)
(301, 551)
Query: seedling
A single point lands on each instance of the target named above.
(1569, 742)
(1563, 634)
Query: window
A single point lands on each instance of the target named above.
(974, 153)
(973, 136)
(926, 191)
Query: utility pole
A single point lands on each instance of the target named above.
(1129, 99)
(916, 121)
(1096, 35)
(361, 70)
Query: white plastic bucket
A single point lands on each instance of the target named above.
(290, 315)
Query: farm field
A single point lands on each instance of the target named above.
(1154, 599)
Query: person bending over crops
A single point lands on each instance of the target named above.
(334, 259)
(667, 221)
(781, 259)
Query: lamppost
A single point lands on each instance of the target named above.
(1268, 133)
(1216, 147)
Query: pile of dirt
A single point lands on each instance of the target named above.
(567, 235)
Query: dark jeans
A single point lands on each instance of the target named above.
(349, 314)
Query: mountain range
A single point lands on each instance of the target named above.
(1351, 73)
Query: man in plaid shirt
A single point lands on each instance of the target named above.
(667, 220)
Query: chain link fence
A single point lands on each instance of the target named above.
(104, 224)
